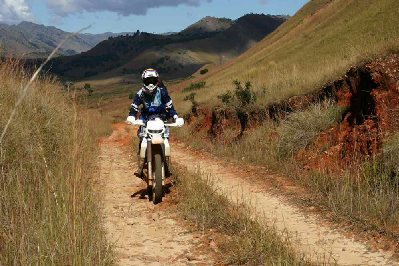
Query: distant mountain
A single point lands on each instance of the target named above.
(30, 40)
(209, 24)
(210, 40)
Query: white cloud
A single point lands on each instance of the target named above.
(14, 11)
(122, 7)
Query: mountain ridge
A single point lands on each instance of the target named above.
(31, 40)
(176, 55)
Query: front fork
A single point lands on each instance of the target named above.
(145, 155)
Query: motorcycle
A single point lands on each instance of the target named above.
(154, 155)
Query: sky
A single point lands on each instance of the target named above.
(155, 16)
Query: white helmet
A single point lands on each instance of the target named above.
(150, 80)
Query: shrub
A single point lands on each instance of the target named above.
(195, 86)
(204, 71)
(241, 97)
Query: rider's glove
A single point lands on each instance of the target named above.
(130, 120)
(179, 121)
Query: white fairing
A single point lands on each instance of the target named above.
(143, 148)
(156, 124)
(167, 148)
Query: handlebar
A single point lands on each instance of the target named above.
(141, 123)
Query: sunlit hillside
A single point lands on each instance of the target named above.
(316, 45)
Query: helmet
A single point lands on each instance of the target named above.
(150, 80)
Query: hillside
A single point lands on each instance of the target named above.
(175, 55)
(209, 24)
(316, 101)
(316, 45)
(30, 40)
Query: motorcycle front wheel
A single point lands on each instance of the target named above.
(158, 168)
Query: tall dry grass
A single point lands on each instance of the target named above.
(48, 211)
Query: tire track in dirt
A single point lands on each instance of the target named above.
(310, 235)
(143, 234)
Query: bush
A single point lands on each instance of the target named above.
(204, 71)
(195, 86)
(241, 97)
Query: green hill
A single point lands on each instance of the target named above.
(175, 55)
(30, 40)
(316, 45)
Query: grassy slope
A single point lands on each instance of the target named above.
(316, 45)
(48, 211)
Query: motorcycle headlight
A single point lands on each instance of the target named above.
(155, 131)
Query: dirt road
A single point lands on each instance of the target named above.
(311, 235)
(148, 234)
(143, 234)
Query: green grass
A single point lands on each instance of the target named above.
(247, 241)
(49, 213)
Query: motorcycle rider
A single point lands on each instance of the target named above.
(156, 102)
(154, 98)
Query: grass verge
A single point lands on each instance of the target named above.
(366, 193)
(49, 213)
(248, 241)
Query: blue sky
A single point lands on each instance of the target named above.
(130, 15)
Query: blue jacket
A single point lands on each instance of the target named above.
(157, 104)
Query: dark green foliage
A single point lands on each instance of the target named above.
(195, 86)
(226, 97)
(243, 95)
(204, 71)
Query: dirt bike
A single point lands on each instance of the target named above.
(154, 155)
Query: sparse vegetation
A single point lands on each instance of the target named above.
(195, 86)
(248, 241)
(48, 210)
